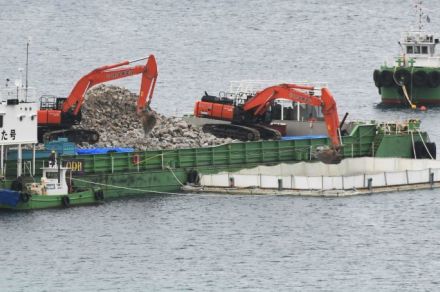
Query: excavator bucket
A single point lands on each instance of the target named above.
(328, 156)
(148, 120)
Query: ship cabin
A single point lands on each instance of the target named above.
(418, 50)
(54, 180)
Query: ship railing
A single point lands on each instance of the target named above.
(414, 60)
(243, 88)
(417, 36)
(399, 127)
(21, 93)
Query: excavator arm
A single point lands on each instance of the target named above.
(259, 104)
(112, 72)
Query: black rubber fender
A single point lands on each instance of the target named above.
(65, 200)
(434, 79)
(24, 197)
(377, 78)
(421, 152)
(99, 195)
(400, 92)
(18, 184)
(193, 177)
(386, 78)
(402, 76)
(420, 78)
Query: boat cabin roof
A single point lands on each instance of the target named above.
(418, 43)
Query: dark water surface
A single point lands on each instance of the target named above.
(388, 242)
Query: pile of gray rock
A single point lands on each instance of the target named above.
(111, 111)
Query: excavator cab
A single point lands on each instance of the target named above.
(51, 102)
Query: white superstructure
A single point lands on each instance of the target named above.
(18, 122)
(418, 47)
(419, 50)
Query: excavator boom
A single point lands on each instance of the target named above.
(114, 72)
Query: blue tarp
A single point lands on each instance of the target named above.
(9, 197)
(104, 150)
(289, 138)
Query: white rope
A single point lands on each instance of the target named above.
(172, 172)
(405, 93)
(413, 146)
(125, 188)
(146, 159)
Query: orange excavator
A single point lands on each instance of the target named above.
(57, 115)
(250, 120)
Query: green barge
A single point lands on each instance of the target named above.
(120, 175)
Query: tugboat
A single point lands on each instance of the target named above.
(414, 78)
(18, 128)
(55, 189)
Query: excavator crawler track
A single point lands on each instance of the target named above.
(76, 136)
(267, 133)
(238, 132)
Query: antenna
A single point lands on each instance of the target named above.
(27, 68)
(418, 6)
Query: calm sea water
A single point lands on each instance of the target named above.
(387, 242)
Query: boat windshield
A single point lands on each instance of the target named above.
(52, 175)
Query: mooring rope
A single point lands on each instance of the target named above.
(125, 188)
(172, 172)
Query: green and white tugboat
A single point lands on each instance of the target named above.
(414, 78)
(54, 188)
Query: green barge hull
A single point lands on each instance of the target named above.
(165, 171)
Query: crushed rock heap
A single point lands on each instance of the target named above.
(111, 111)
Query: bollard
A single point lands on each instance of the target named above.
(231, 182)
(370, 183)
(280, 184)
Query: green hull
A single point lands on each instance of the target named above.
(165, 171)
(45, 202)
(422, 91)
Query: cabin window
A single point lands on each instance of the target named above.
(416, 49)
(409, 50)
(424, 50)
(52, 175)
(1, 121)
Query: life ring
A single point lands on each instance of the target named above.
(24, 197)
(65, 200)
(99, 195)
(377, 79)
(434, 79)
(386, 78)
(402, 76)
(420, 78)
(135, 159)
